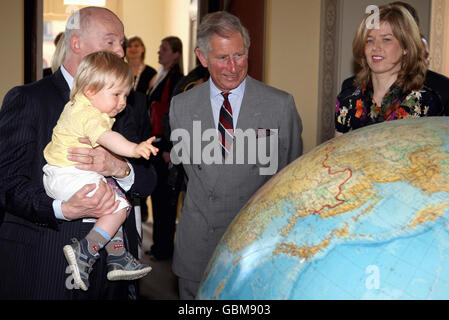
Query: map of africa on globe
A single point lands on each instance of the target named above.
(362, 216)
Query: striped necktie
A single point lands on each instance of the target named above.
(226, 126)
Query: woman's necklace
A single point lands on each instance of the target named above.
(137, 76)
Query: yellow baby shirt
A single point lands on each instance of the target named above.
(79, 119)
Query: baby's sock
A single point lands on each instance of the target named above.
(96, 240)
(116, 246)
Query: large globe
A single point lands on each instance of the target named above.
(362, 216)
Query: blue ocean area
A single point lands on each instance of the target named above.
(382, 242)
(406, 268)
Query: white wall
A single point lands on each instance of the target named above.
(12, 53)
(439, 37)
(152, 20)
(292, 57)
(178, 17)
(446, 70)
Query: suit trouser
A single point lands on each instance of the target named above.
(164, 202)
(188, 289)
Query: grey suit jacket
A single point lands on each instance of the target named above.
(216, 192)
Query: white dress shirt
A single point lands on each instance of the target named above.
(235, 99)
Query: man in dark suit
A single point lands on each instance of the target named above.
(137, 102)
(216, 191)
(36, 227)
(440, 84)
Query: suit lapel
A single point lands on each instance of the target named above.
(203, 113)
(250, 111)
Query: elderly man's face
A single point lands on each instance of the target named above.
(105, 33)
(227, 61)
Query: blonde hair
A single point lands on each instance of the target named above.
(59, 55)
(406, 31)
(100, 69)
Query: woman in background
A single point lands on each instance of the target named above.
(135, 56)
(165, 196)
(390, 83)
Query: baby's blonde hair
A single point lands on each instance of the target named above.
(100, 69)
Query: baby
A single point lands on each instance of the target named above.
(101, 85)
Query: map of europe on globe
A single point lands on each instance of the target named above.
(362, 216)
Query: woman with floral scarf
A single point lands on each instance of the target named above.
(390, 83)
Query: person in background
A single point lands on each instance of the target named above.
(36, 227)
(390, 83)
(194, 78)
(58, 55)
(216, 192)
(143, 74)
(435, 81)
(177, 178)
(165, 196)
(135, 56)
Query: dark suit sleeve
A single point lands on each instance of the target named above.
(174, 124)
(145, 175)
(137, 101)
(347, 83)
(21, 188)
(440, 84)
(290, 135)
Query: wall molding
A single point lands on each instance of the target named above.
(438, 35)
(328, 79)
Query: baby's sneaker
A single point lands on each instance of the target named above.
(80, 262)
(125, 267)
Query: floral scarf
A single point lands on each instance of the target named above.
(358, 109)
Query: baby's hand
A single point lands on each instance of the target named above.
(145, 148)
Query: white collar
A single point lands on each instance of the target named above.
(239, 91)
(67, 76)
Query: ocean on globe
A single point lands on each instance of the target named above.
(362, 216)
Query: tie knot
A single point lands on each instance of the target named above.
(225, 95)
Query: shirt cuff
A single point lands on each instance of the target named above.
(126, 182)
(57, 208)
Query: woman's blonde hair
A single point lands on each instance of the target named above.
(59, 55)
(100, 69)
(406, 31)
